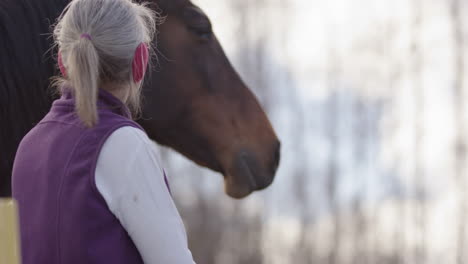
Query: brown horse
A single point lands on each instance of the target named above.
(194, 102)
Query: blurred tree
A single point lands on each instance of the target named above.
(419, 214)
(460, 131)
(333, 169)
(359, 219)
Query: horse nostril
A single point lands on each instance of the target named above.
(276, 156)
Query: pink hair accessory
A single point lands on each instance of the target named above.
(85, 35)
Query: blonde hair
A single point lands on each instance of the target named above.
(97, 40)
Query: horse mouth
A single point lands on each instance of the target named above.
(246, 176)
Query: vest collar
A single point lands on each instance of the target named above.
(106, 101)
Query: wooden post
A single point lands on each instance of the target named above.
(9, 232)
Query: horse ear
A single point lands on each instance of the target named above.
(60, 64)
(140, 62)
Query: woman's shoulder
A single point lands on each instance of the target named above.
(126, 156)
(127, 136)
(125, 143)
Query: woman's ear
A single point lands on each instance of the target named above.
(140, 62)
(60, 64)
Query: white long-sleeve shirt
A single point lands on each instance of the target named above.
(129, 177)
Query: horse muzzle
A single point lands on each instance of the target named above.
(250, 173)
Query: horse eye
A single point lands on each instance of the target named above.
(204, 33)
(198, 22)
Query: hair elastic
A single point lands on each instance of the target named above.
(85, 35)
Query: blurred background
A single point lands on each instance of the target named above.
(368, 98)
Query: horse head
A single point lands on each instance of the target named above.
(196, 103)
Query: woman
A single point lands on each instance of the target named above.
(87, 180)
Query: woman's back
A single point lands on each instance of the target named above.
(64, 218)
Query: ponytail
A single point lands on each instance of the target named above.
(83, 72)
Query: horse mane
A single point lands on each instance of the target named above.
(25, 27)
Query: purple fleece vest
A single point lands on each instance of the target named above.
(63, 217)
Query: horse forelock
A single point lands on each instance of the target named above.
(169, 6)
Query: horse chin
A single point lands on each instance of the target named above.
(235, 190)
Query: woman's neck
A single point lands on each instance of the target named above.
(121, 92)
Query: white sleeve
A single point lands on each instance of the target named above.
(130, 179)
